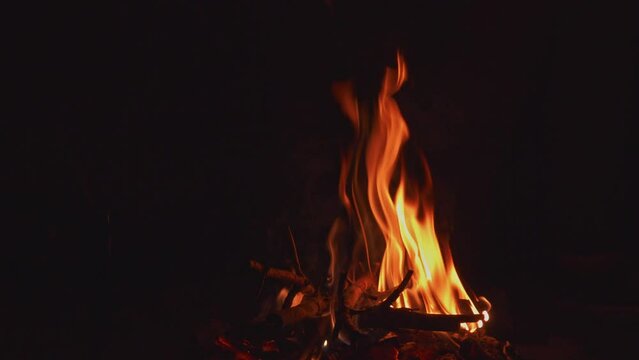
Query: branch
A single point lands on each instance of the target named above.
(310, 307)
(391, 319)
(284, 276)
(398, 291)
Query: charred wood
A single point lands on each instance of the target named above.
(398, 290)
(310, 307)
(392, 319)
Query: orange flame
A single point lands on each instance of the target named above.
(396, 227)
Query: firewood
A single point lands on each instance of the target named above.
(392, 319)
(398, 290)
(310, 307)
(465, 306)
(483, 304)
(284, 276)
(346, 325)
(356, 290)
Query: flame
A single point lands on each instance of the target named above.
(393, 215)
(486, 316)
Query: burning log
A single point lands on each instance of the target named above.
(392, 319)
(391, 227)
(284, 276)
(382, 316)
(465, 306)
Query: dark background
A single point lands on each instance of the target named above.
(157, 146)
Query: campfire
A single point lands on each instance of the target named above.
(392, 215)
(392, 290)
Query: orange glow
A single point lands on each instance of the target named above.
(394, 215)
(281, 296)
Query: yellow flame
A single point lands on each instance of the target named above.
(405, 219)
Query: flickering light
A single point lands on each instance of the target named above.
(392, 211)
(486, 316)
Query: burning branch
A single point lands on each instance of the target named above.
(393, 214)
(392, 319)
(398, 291)
(382, 316)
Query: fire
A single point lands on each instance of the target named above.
(393, 215)
(281, 297)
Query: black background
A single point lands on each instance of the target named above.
(159, 145)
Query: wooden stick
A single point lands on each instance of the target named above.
(398, 290)
(285, 276)
(384, 317)
(465, 306)
(483, 304)
(356, 290)
(310, 307)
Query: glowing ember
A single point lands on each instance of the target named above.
(393, 215)
(281, 296)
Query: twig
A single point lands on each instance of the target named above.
(285, 276)
(297, 258)
(398, 291)
(382, 316)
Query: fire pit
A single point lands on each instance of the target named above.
(392, 290)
